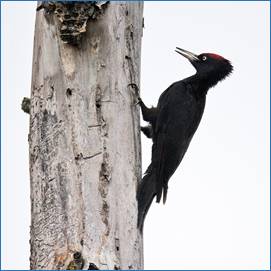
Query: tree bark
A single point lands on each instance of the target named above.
(85, 159)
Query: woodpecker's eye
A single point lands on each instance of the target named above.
(204, 58)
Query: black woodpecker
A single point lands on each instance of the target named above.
(173, 123)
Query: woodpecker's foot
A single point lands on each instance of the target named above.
(134, 86)
(136, 91)
(139, 101)
(147, 131)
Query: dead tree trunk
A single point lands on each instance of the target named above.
(85, 159)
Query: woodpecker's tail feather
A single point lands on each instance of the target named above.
(165, 194)
(161, 192)
(145, 194)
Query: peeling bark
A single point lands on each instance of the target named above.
(85, 159)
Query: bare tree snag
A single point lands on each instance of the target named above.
(85, 159)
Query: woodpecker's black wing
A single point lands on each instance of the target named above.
(179, 114)
(161, 141)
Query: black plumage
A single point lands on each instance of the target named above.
(173, 123)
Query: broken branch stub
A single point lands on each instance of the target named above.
(73, 16)
(25, 106)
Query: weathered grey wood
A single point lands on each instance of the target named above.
(85, 158)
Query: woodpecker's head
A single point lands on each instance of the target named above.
(212, 68)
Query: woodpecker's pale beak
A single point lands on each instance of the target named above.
(190, 56)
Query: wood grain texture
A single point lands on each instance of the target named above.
(85, 159)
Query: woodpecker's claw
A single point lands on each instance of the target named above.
(135, 87)
(138, 102)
